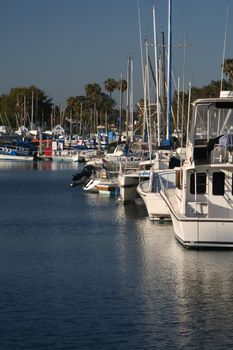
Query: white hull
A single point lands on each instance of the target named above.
(91, 186)
(128, 194)
(102, 186)
(155, 205)
(204, 233)
(62, 158)
(128, 183)
(196, 231)
(126, 180)
(15, 158)
(84, 156)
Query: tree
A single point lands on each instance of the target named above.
(78, 108)
(93, 91)
(121, 86)
(228, 69)
(110, 85)
(23, 103)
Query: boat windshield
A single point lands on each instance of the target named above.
(211, 121)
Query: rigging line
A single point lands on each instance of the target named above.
(153, 76)
(224, 48)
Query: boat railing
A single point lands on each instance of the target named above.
(222, 154)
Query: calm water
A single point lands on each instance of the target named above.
(81, 271)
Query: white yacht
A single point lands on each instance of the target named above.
(130, 174)
(201, 204)
(149, 191)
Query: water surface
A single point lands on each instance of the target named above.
(82, 271)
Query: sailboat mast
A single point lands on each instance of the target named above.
(131, 100)
(169, 72)
(224, 50)
(32, 110)
(156, 77)
(128, 99)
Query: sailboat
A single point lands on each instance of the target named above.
(165, 159)
(201, 204)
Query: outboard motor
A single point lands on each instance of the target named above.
(86, 173)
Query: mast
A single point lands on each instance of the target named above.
(224, 49)
(162, 84)
(140, 40)
(168, 131)
(131, 100)
(156, 77)
(120, 117)
(32, 110)
(178, 106)
(128, 98)
(24, 110)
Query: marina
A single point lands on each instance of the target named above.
(83, 271)
(116, 181)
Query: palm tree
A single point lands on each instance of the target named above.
(110, 85)
(93, 91)
(228, 69)
(121, 86)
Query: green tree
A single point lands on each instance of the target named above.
(122, 87)
(110, 85)
(93, 91)
(228, 70)
(24, 103)
(78, 108)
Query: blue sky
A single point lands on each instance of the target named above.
(62, 45)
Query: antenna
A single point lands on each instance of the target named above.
(224, 49)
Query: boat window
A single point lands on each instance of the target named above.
(211, 121)
(218, 184)
(200, 183)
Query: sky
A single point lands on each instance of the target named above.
(61, 45)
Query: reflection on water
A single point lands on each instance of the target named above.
(83, 271)
(37, 165)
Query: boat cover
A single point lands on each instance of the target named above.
(227, 141)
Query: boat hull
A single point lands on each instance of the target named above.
(201, 232)
(157, 209)
(127, 180)
(15, 158)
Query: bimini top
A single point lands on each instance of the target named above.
(211, 118)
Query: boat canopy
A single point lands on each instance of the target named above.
(211, 120)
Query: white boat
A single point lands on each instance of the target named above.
(130, 173)
(90, 186)
(18, 153)
(101, 181)
(13, 157)
(201, 204)
(149, 191)
(62, 155)
(84, 155)
(101, 185)
(162, 170)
